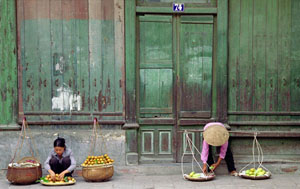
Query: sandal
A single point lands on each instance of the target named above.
(234, 173)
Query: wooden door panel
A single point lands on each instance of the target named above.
(156, 66)
(147, 142)
(155, 41)
(195, 67)
(156, 143)
(165, 142)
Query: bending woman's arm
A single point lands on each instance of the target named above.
(73, 163)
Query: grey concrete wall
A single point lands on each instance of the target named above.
(78, 138)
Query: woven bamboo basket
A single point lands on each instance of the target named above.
(28, 169)
(97, 173)
(23, 175)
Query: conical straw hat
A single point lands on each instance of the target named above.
(215, 135)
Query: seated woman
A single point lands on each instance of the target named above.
(215, 134)
(60, 160)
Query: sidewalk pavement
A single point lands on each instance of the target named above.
(132, 181)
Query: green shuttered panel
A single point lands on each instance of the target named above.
(156, 74)
(263, 60)
(196, 33)
(68, 60)
(8, 62)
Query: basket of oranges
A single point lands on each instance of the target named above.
(97, 168)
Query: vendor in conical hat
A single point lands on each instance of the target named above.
(215, 134)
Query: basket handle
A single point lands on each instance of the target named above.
(23, 134)
(95, 135)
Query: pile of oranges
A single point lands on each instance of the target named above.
(57, 180)
(97, 160)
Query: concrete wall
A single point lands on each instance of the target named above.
(78, 138)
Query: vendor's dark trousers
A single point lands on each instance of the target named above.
(58, 167)
(228, 158)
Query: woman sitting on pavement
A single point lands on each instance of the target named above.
(215, 134)
(60, 160)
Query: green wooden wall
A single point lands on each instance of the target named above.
(264, 61)
(71, 59)
(263, 64)
(8, 62)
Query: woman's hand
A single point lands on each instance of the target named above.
(52, 174)
(213, 166)
(61, 176)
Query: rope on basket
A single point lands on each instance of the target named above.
(260, 156)
(22, 136)
(95, 137)
(191, 146)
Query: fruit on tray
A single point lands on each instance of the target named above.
(48, 179)
(256, 172)
(192, 174)
(196, 175)
(97, 160)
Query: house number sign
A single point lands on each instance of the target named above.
(178, 7)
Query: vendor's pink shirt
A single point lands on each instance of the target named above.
(205, 146)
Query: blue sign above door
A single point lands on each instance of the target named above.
(178, 7)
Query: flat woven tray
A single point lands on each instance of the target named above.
(265, 176)
(200, 179)
(57, 184)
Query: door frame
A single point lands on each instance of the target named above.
(219, 93)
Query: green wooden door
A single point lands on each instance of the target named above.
(195, 66)
(174, 80)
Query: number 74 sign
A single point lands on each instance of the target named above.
(178, 7)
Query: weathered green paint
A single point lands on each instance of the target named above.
(156, 75)
(221, 67)
(271, 57)
(130, 59)
(263, 63)
(295, 57)
(157, 55)
(196, 67)
(168, 3)
(259, 52)
(284, 42)
(171, 1)
(234, 55)
(245, 55)
(119, 56)
(43, 53)
(61, 59)
(8, 62)
(173, 45)
(156, 143)
(131, 82)
(263, 66)
(170, 10)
